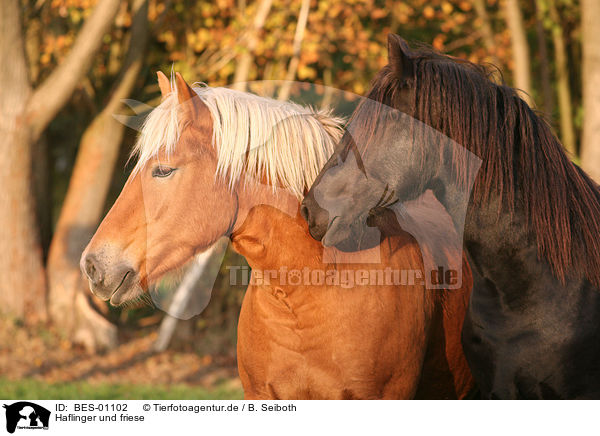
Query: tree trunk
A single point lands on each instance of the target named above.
(85, 199)
(520, 49)
(590, 37)
(22, 288)
(284, 92)
(486, 31)
(328, 89)
(41, 171)
(242, 70)
(545, 71)
(567, 130)
(24, 114)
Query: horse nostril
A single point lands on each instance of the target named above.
(305, 213)
(92, 269)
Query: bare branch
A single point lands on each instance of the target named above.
(51, 95)
(486, 31)
(520, 49)
(590, 37)
(284, 92)
(567, 129)
(243, 67)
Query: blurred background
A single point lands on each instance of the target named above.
(66, 66)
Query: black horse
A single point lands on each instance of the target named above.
(531, 228)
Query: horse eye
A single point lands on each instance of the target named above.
(161, 171)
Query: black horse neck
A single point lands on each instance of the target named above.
(488, 228)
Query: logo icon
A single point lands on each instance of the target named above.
(26, 415)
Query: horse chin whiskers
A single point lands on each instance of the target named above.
(138, 298)
(142, 300)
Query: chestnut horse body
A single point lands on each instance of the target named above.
(296, 338)
(333, 342)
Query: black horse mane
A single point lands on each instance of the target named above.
(519, 152)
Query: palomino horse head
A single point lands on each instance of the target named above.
(199, 153)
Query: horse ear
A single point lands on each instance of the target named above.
(163, 84)
(399, 57)
(184, 92)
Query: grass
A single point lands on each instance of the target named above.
(32, 389)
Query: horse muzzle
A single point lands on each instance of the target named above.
(110, 279)
(315, 216)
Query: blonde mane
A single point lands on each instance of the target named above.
(280, 143)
